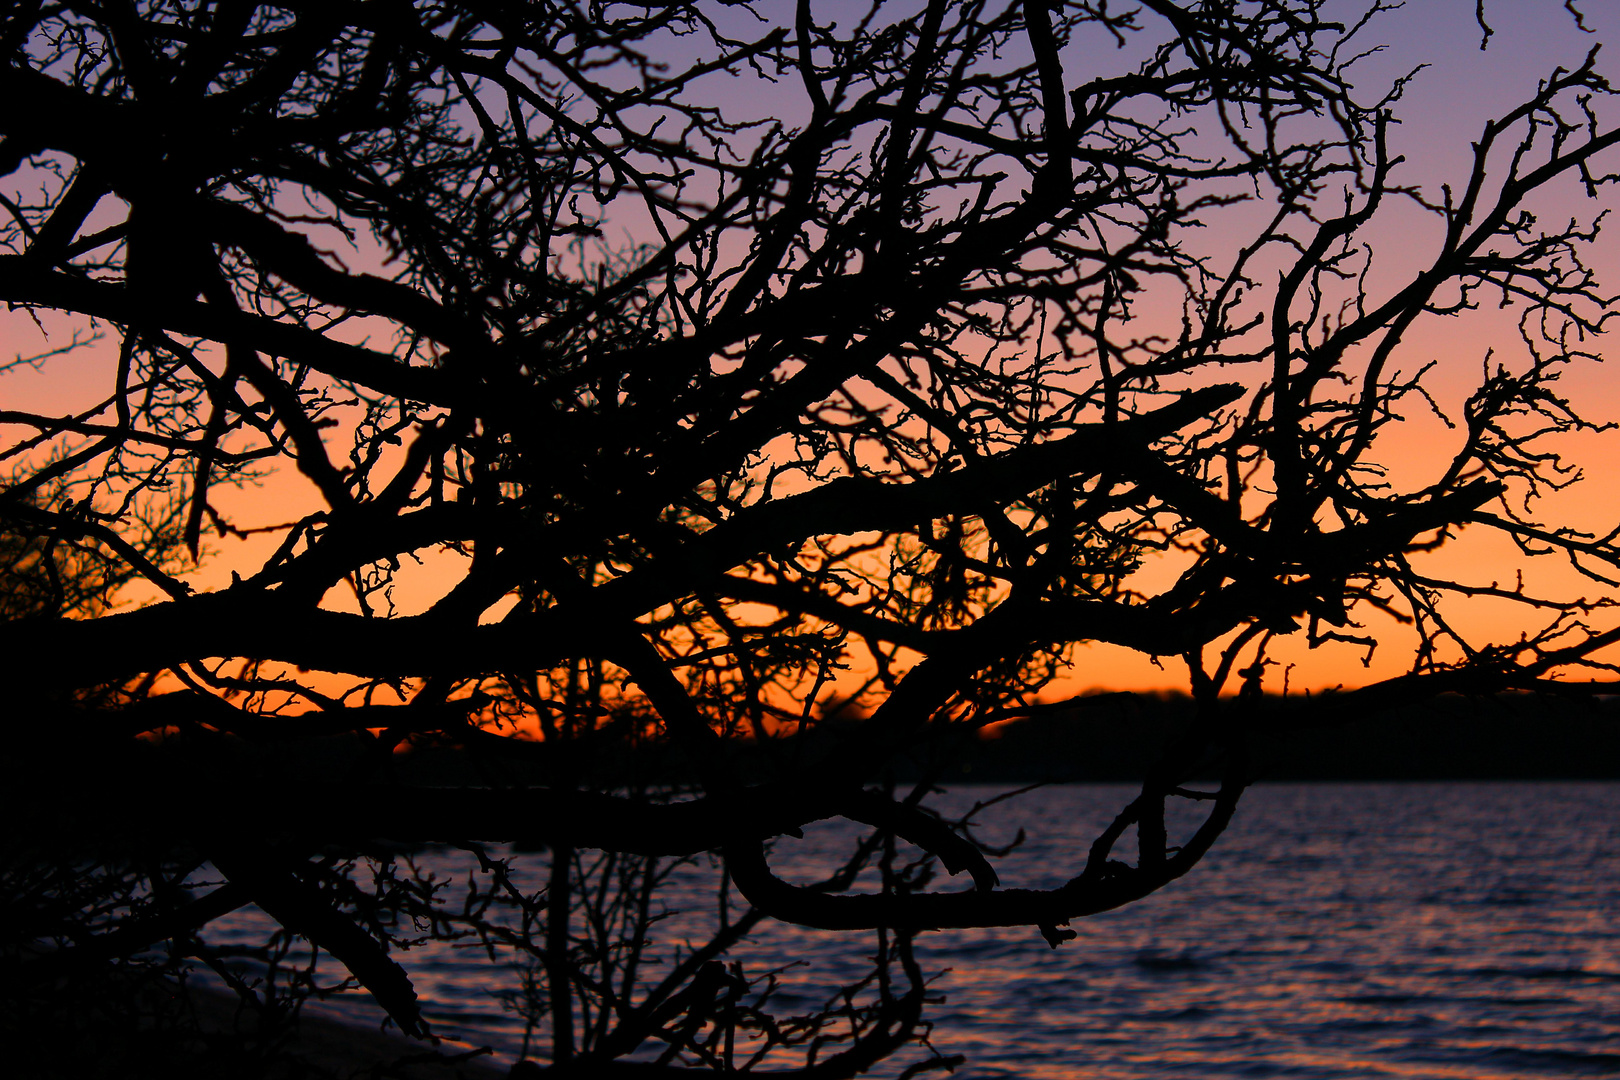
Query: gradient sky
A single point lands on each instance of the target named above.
(1444, 109)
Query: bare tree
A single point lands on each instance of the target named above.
(720, 365)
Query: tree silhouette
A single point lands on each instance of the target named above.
(720, 369)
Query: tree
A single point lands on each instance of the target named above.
(721, 366)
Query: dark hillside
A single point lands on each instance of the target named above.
(1506, 737)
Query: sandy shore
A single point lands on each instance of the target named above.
(322, 1046)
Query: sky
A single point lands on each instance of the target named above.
(1444, 108)
(1442, 113)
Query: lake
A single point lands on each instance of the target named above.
(1459, 930)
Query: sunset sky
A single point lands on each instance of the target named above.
(1444, 109)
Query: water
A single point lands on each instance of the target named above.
(1456, 931)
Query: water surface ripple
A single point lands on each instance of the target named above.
(1455, 931)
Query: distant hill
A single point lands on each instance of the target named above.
(1504, 737)
(1117, 737)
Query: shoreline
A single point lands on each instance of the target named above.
(326, 1045)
